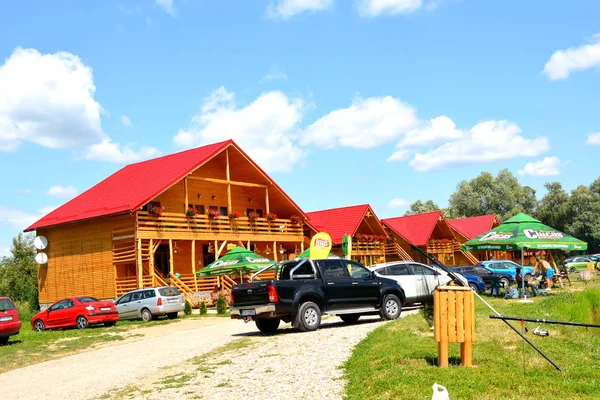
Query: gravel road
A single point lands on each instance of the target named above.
(209, 358)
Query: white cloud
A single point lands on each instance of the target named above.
(286, 9)
(18, 219)
(563, 62)
(546, 167)
(5, 252)
(365, 124)
(593, 139)
(398, 203)
(274, 74)
(62, 191)
(126, 121)
(485, 142)
(168, 6)
(47, 99)
(266, 128)
(375, 8)
(117, 153)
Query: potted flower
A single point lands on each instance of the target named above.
(295, 219)
(271, 216)
(156, 211)
(190, 212)
(252, 216)
(234, 215)
(213, 214)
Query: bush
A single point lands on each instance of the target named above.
(203, 309)
(187, 310)
(221, 304)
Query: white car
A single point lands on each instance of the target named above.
(418, 280)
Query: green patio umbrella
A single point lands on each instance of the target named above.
(235, 261)
(524, 232)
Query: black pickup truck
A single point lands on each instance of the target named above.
(305, 289)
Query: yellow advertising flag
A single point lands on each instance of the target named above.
(320, 246)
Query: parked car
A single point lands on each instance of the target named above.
(506, 267)
(417, 280)
(77, 312)
(487, 274)
(306, 289)
(10, 323)
(581, 262)
(475, 282)
(148, 303)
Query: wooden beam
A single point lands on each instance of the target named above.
(228, 177)
(221, 247)
(227, 182)
(151, 260)
(139, 263)
(275, 250)
(267, 199)
(170, 256)
(216, 254)
(194, 264)
(185, 185)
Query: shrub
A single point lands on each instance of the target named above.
(187, 310)
(221, 304)
(203, 309)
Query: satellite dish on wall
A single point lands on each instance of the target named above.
(41, 258)
(40, 243)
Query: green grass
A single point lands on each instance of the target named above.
(399, 359)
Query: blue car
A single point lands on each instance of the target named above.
(475, 283)
(506, 267)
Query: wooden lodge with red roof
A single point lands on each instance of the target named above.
(159, 221)
(430, 232)
(469, 228)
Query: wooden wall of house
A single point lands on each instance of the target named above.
(79, 260)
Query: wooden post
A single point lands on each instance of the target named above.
(185, 206)
(151, 261)
(228, 176)
(170, 256)
(268, 208)
(216, 250)
(194, 264)
(139, 263)
(275, 250)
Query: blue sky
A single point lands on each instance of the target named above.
(366, 101)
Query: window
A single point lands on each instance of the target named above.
(421, 270)
(304, 271)
(334, 270)
(198, 207)
(86, 299)
(399, 269)
(124, 299)
(258, 211)
(136, 296)
(6, 304)
(168, 291)
(357, 271)
(383, 271)
(148, 294)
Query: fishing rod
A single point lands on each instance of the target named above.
(544, 321)
(453, 275)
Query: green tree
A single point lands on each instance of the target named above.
(554, 209)
(584, 204)
(18, 272)
(418, 207)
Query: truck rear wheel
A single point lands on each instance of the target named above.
(391, 307)
(267, 325)
(350, 318)
(309, 317)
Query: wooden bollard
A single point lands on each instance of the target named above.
(454, 322)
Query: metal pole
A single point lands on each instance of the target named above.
(544, 321)
(523, 274)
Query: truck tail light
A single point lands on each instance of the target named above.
(272, 294)
(159, 301)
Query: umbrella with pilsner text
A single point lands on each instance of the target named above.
(235, 261)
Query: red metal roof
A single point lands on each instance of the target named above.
(473, 226)
(338, 221)
(135, 185)
(416, 229)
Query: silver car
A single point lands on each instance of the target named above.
(149, 303)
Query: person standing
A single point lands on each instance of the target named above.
(546, 269)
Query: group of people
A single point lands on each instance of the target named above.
(549, 269)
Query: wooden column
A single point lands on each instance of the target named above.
(151, 260)
(301, 246)
(275, 251)
(185, 206)
(216, 250)
(228, 177)
(140, 270)
(194, 264)
(170, 256)
(268, 207)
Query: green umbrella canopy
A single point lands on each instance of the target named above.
(523, 232)
(236, 260)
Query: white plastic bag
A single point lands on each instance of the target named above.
(439, 392)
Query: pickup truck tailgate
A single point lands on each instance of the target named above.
(247, 294)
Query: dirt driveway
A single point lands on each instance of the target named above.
(199, 358)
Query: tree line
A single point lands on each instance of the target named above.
(18, 272)
(576, 213)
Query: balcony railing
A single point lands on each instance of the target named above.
(377, 247)
(175, 222)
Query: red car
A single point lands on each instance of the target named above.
(76, 311)
(10, 323)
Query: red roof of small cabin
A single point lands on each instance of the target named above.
(417, 228)
(338, 221)
(134, 185)
(473, 226)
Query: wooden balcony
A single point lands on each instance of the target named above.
(360, 248)
(201, 227)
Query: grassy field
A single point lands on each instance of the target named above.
(398, 360)
(29, 347)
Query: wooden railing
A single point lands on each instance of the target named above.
(208, 283)
(185, 290)
(227, 282)
(396, 249)
(189, 280)
(368, 247)
(179, 222)
(470, 257)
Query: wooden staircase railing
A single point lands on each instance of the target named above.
(227, 282)
(396, 249)
(470, 257)
(183, 288)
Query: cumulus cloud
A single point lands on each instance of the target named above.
(398, 203)
(126, 121)
(109, 151)
(62, 191)
(18, 219)
(47, 99)
(168, 6)
(266, 128)
(375, 8)
(285, 9)
(593, 139)
(546, 167)
(563, 62)
(367, 123)
(274, 74)
(487, 141)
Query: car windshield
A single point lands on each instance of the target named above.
(168, 291)
(87, 299)
(6, 304)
